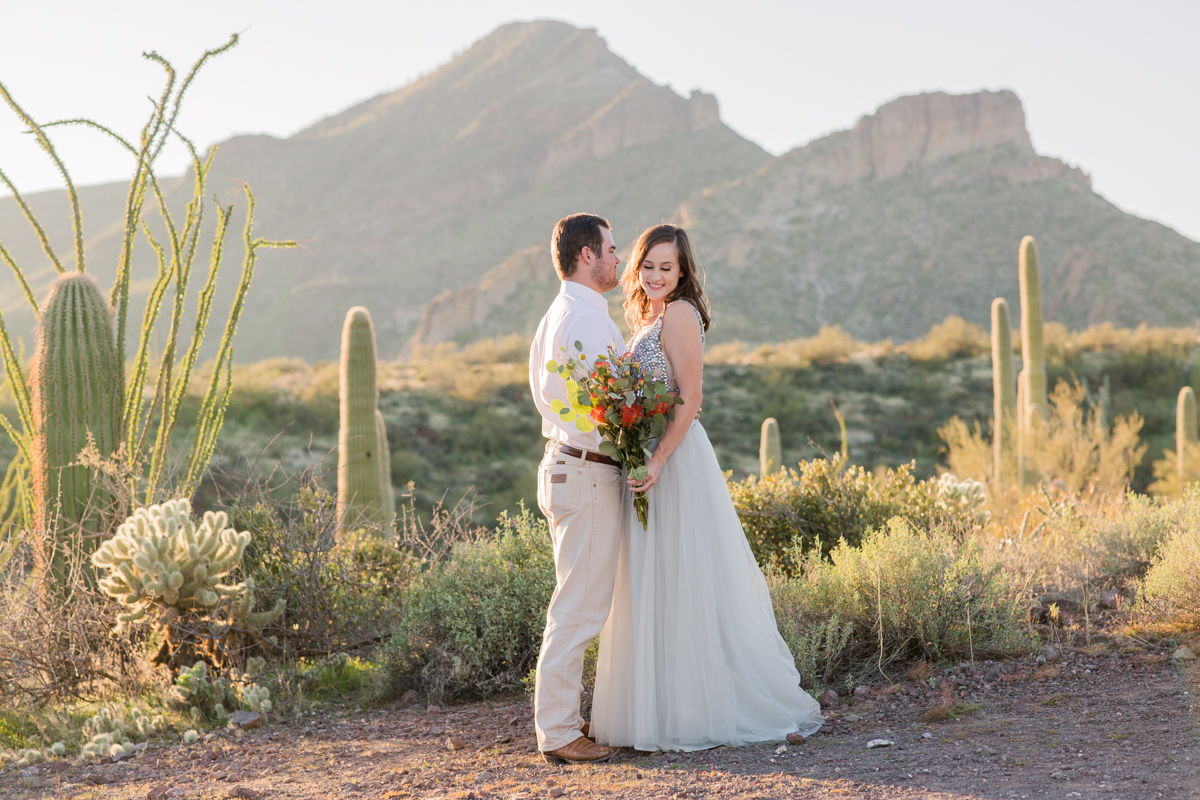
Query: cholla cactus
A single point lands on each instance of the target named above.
(161, 559)
(257, 698)
(967, 496)
(113, 733)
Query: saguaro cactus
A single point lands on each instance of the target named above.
(77, 390)
(1185, 428)
(1033, 354)
(361, 461)
(1004, 386)
(770, 449)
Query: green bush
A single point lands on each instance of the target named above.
(1170, 592)
(472, 625)
(794, 511)
(900, 596)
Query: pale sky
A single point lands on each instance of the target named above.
(1113, 88)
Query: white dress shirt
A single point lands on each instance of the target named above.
(578, 314)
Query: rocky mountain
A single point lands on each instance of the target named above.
(432, 206)
(912, 215)
(425, 189)
(916, 214)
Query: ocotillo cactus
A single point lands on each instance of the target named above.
(770, 449)
(385, 471)
(360, 500)
(77, 390)
(1033, 354)
(1185, 428)
(1004, 386)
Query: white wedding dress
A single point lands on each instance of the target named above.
(691, 657)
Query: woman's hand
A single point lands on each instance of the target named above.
(654, 468)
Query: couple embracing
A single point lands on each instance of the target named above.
(690, 655)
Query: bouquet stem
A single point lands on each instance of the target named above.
(641, 503)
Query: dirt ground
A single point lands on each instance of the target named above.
(1109, 721)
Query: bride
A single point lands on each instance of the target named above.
(690, 657)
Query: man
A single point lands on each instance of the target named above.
(579, 489)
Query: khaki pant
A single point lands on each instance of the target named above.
(582, 501)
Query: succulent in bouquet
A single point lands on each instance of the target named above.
(630, 408)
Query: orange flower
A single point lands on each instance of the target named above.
(597, 415)
(630, 415)
(661, 408)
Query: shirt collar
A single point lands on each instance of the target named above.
(577, 291)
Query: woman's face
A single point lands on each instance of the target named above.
(659, 273)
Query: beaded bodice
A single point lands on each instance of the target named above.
(647, 349)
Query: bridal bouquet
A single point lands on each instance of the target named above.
(630, 409)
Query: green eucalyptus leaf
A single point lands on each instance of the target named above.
(609, 449)
(552, 366)
(579, 345)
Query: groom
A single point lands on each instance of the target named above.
(579, 489)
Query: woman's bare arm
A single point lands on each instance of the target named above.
(682, 342)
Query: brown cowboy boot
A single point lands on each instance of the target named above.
(581, 751)
(586, 730)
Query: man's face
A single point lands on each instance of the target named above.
(604, 263)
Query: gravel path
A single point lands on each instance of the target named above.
(1109, 721)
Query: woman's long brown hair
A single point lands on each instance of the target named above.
(690, 286)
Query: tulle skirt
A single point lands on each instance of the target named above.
(691, 657)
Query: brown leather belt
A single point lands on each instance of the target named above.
(588, 455)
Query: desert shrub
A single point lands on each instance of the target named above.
(828, 500)
(952, 338)
(472, 625)
(1069, 447)
(1168, 480)
(904, 594)
(336, 597)
(1170, 591)
(338, 675)
(1071, 549)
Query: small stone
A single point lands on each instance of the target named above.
(987, 751)
(32, 782)
(515, 721)
(247, 720)
(432, 709)
(97, 779)
(829, 698)
(455, 743)
(871, 745)
(58, 766)
(351, 787)
(1111, 599)
(795, 738)
(177, 791)
(926, 735)
(1058, 775)
(781, 749)
(245, 793)
(1051, 654)
(1183, 654)
(852, 718)
(862, 691)
(485, 777)
(157, 793)
(557, 792)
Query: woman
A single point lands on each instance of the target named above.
(690, 657)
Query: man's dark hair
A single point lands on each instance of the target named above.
(571, 235)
